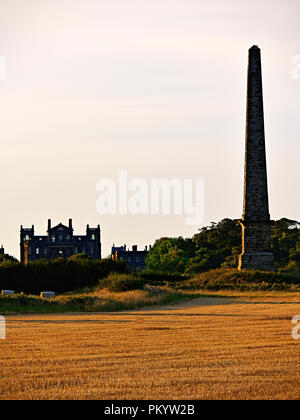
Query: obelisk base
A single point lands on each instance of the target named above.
(257, 261)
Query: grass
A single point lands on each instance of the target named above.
(234, 280)
(235, 294)
(221, 348)
(119, 292)
(89, 301)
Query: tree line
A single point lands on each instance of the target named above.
(219, 245)
(59, 275)
(214, 246)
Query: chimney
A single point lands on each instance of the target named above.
(49, 224)
(134, 248)
(70, 224)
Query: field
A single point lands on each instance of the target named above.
(205, 348)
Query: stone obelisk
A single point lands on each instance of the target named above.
(256, 223)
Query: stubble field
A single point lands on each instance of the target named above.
(207, 348)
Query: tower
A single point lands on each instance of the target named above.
(256, 223)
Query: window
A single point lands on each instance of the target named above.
(60, 237)
(29, 250)
(26, 238)
(68, 237)
(45, 251)
(76, 250)
(53, 239)
(93, 237)
(60, 252)
(37, 251)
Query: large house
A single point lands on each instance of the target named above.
(133, 258)
(59, 242)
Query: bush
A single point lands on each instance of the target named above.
(232, 279)
(158, 277)
(121, 282)
(60, 275)
(26, 300)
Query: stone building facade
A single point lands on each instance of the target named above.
(134, 259)
(256, 223)
(59, 242)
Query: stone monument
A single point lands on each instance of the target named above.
(256, 223)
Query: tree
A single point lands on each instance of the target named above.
(215, 245)
(233, 259)
(79, 258)
(285, 226)
(204, 260)
(223, 235)
(170, 255)
(7, 258)
(284, 242)
(220, 245)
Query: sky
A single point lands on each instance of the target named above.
(89, 88)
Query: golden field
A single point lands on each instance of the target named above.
(205, 348)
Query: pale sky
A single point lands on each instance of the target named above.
(156, 88)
